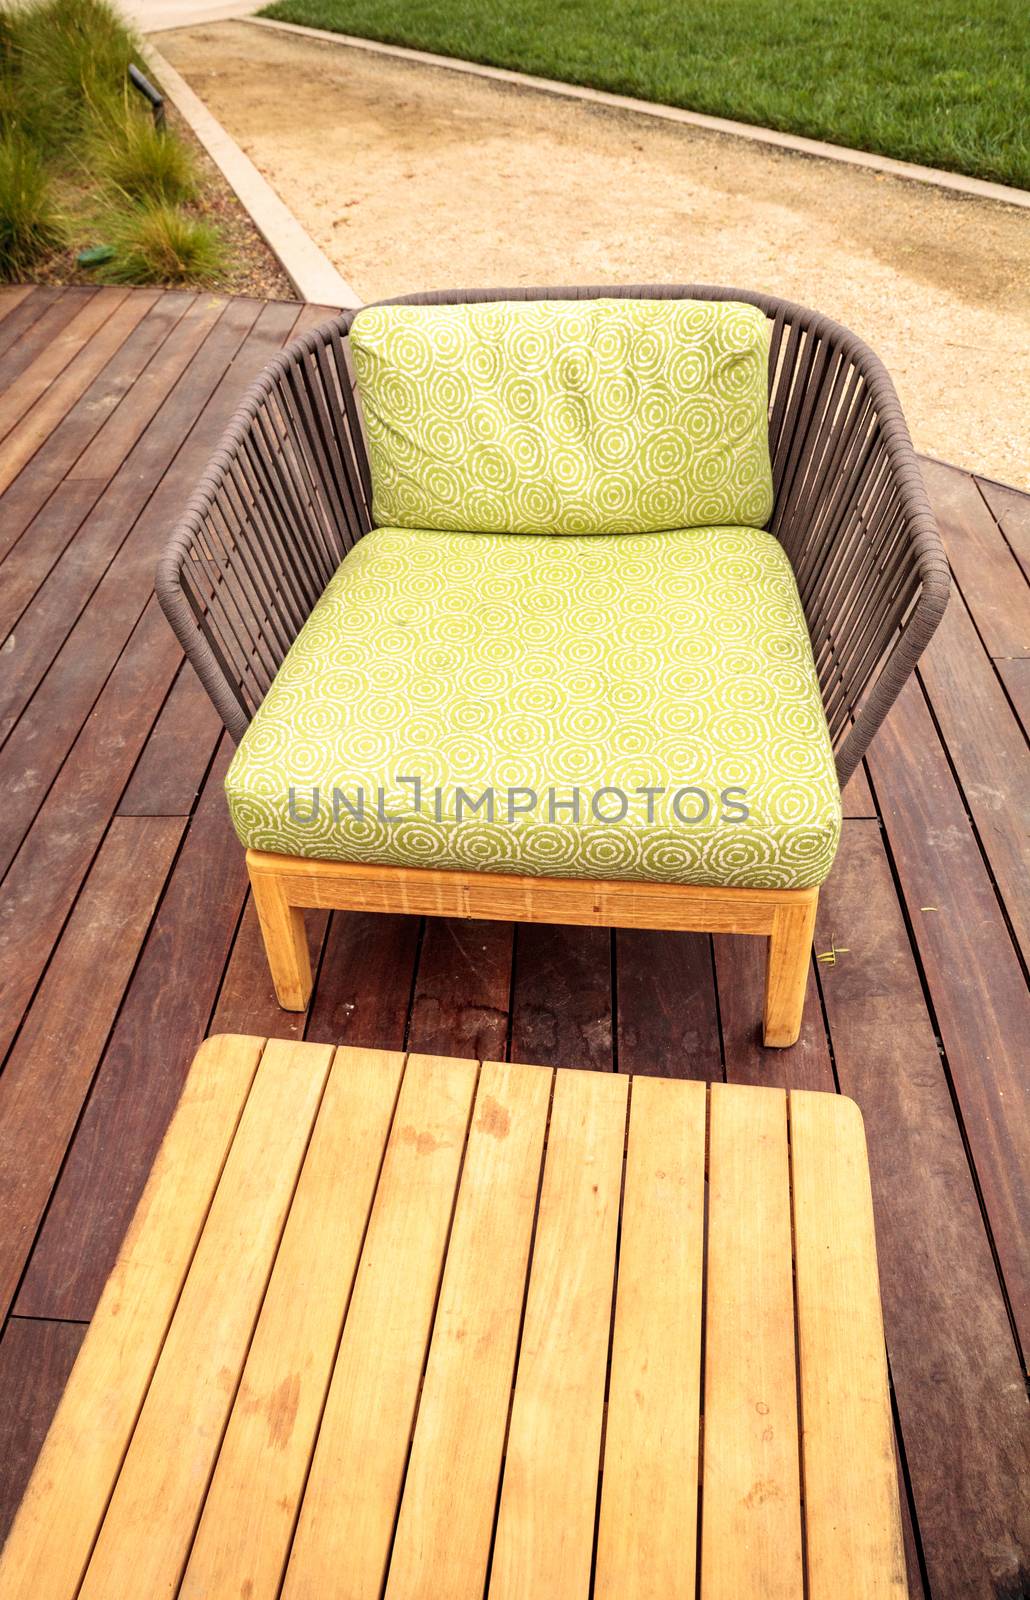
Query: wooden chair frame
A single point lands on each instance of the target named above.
(288, 494)
(286, 886)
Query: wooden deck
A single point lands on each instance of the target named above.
(126, 936)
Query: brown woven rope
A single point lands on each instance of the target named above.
(288, 492)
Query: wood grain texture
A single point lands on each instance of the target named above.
(460, 1003)
(35, 1360)
(12, 295)
(1011, 511)
(366, 980)
(147, 1527)
(447, 1512)
(412, 1313)
(503, 897)
(941, 1297)
(285, 938)
(983, 1020)
(246, 998)
(986, 569)
(58, 310)
(853, 1545)
(1015, 675)
(42, 355)
(965, 1510)
(667, 1008)
(647, 1537)
(59, 461)
(164, 1012)
(84, 610)
(62, 1038)
(857, 799)
(347, 1518)
(561, 1001)
(787, 972)
(988, 752)
(32, 555)
(19, 318)
(545, 1524)
(168, 776)
(59, 394)
(49, 864)
(244, 1534)
(751, 1522)
(99, 1408)
(739, 966)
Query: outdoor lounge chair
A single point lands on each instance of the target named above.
(579, 607)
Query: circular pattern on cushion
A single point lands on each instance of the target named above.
(671, 661)
(549, 416)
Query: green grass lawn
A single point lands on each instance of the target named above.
(945, 82)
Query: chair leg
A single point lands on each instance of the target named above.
(286, 941)
(786, 976)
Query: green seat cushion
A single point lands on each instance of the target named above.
(497, 664)
(594, 416)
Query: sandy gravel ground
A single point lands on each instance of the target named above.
(413, 177)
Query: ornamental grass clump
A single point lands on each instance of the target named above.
(129, 154)
(30, 224)
(72, 130)
(70, 56)
(155, 242)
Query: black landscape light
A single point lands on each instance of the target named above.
(146, 88)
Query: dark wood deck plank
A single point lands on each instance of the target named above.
(62, 1039)
(1011, 511)
(33, 553)
(989, 753)
(52, 355)
(90, 392)
(667, 1011)
(460, 1006)
(246, 1000)
(66, 605)
(166, 1010)
(51, 862)
(561, 997)
(957, 1378)
(123, 429)
(1015, 675)
(47, 399)
(58, 310)
(977, 987)
(37, 746)
(35, 1360)
(366, 981)
(740, 969)
(857, 799)
(170, 772)
(19, 315)
(12, 295)
(60, 457)
(985, 568)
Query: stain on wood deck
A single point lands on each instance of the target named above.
(126, 934)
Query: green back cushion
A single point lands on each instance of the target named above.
(562, 416)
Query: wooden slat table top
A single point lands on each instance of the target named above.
(435, 1329)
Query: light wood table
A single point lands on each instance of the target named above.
(425, 1328)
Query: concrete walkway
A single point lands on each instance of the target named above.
(411, 177)
(155, 16)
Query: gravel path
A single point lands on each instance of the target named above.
(414, 177)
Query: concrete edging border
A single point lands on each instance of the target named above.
(955, 182)
(308, 268)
